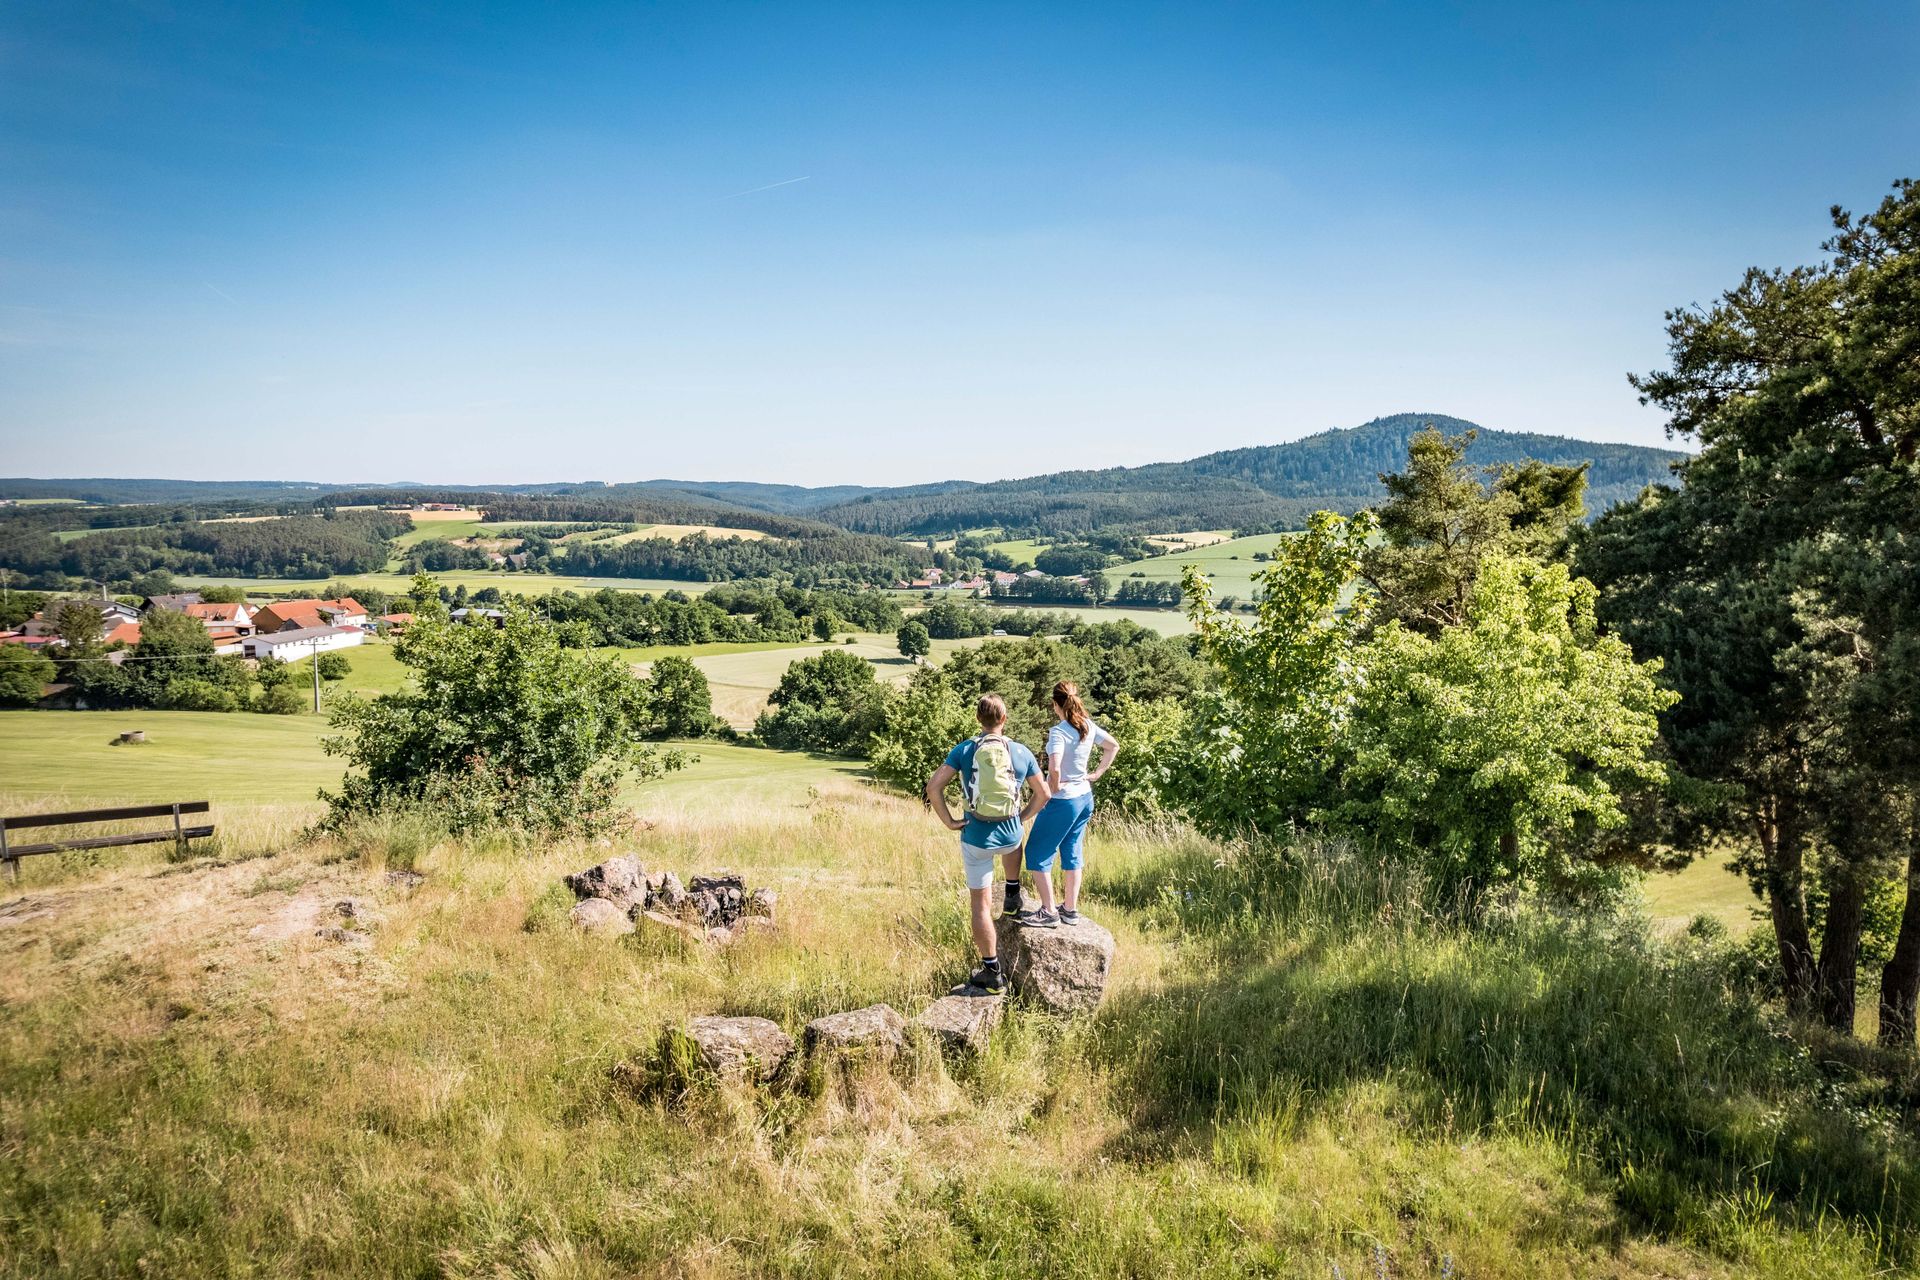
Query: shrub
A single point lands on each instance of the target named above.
(24, 675)
(282, 699)
(680, 704)
(502, 727)
(191, 694)
(334, 666)
(919, 725)
(830, 703)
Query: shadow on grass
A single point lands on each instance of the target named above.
(1315, 974)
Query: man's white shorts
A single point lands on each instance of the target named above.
(983, 865)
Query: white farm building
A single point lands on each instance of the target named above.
(302, 642)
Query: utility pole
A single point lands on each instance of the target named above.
(316, 675)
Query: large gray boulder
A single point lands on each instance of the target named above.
(1063, 969)
(597, 915)
(620, 880)
(877, 1030)
(740, 1048)
(962, 1024)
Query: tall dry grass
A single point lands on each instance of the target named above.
(1300, 1067)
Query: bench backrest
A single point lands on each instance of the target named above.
(11, 853)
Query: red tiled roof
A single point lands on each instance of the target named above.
(126, 633)
(217, 612)
(305, 613)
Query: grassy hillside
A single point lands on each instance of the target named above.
(1229, 563)
(1294, 1075)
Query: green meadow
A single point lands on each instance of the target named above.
(1230, 564)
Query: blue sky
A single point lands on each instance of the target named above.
(472, 242)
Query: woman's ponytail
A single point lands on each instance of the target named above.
(1066, 696)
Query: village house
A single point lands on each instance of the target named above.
(300, 642)
(394, 623)
(236, 619)
(45, 624)
(304, 615)
(177, 602)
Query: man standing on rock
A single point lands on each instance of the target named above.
(992, 768)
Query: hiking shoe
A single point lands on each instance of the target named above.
(1038, 918)
(1011, 907)
(1069, 917)
(984, 982)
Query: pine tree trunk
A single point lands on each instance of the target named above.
(1900, 979)
(1840, 948)
(1781, 842)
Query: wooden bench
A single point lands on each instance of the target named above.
(11, 853)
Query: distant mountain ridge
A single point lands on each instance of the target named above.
(1265, 485)
(1237, 488)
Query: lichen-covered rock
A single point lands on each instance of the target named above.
(334, 933)
(405, 879)
(740, 1048)
(760, 903)
(1063, 969)
(620, 880)
(962, 1024)
(877, 1030)
(358, 913)
(598, 915)
(670, 897)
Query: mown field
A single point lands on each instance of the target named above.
(1294, 1074)
(1229, 563)
(67, 759)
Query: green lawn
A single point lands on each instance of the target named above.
(375, 670)
(1703, 888)
(233, 757)
(1230, 564)
(1021, 550)
(742, 675)
(238, 758)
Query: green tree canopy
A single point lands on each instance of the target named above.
(1781, 583)
(829, 703)
(24, 675)
(679, 702)
(500, 726)
(1442, 515)
(913, 639)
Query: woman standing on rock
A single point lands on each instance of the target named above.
(1061, 826)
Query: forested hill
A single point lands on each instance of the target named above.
(1336, 461)
(1270, 485)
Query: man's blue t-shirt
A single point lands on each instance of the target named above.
(982, 833)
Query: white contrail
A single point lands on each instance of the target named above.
(222, 292)
(770, 186)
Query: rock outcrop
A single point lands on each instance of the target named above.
(715, 908)
(620, 880)
(740, 1048)
(1063, 969)
(877, 1031)
(962, 1024)
(599, 915)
